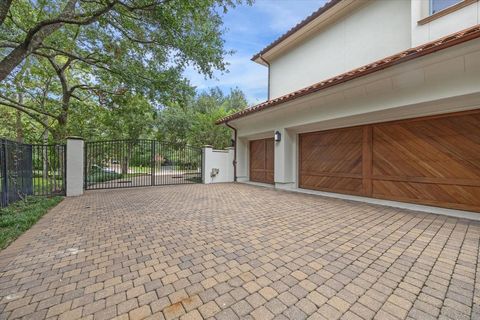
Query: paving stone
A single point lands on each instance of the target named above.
(209, 309)
(268, 293)
(275, 306)
(192, 315)
(71, 314)
(306, 306)
(255, 300)
(107, 313)
(294, 312)
(242, 308)
(226, 314)
(140, 313)
(262, 313)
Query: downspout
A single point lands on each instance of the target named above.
(234, 151)
(268, 85)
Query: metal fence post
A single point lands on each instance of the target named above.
(4, 173)
(152, 170)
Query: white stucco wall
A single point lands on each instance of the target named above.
(453, 22)
(217, 159)
(371, 32)
(75, 167)
(446, 81)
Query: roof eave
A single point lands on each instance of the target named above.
(330, 4)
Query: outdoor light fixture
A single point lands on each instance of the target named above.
(278, 136)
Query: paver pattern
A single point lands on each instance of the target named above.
(233, 251)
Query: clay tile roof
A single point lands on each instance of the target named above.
(300, 25)
(407, 55)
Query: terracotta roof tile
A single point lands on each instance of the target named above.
(407, 55)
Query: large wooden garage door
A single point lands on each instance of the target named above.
(262, 160)
(430, 160)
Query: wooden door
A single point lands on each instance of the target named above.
(332, 160)
(430, 160)
(434, 161)
(262, 161)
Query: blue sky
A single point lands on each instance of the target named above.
(250, 29)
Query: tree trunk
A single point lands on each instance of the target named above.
(19, 126)
(44, 156)
(126, 158)
(33, 39)
(62, 131)
(4, 7)
(18, 122)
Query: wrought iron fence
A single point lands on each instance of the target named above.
(27, 169)
(136, 163)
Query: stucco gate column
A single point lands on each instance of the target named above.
(75, 166)
(285, 160)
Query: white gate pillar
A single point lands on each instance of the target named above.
(206, 155)
(75, 166)
(217, 165)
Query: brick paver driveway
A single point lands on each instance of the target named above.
(230, 251)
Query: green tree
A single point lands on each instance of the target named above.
(27, 26)
(194, 122)
(90, 52)
(131, 117)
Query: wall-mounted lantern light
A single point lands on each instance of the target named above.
(278, 136)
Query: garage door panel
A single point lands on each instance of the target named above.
(257, 154)
(270, 152)
(336, 152)
(333, 166)
(451, 196)
(431, 160)
(429, 148)
(257, 175)
(333, 184)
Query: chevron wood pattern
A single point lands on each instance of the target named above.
(430, 160)
(332, 160)
(262, 160)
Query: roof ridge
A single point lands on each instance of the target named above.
(403, 56)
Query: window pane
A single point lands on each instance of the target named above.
(438, 5)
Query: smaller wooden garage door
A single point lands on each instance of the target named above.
(262, 160)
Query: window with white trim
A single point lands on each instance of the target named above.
(439, 5)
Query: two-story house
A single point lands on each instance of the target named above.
(374, 99)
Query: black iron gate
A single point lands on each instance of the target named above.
(138, 163)
(30, 169)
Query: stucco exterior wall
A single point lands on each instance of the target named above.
(446, 81)
(453, 22)
(371, 32)
(221, 160)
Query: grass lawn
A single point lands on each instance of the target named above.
(21, 215)
(46, 186)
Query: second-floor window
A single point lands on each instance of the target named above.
(439, 5)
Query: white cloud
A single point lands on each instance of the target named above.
(247, 75)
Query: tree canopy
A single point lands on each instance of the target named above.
(107, 67)
(194, 123)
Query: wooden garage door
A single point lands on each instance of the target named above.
(431, 160)
(262, 160)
